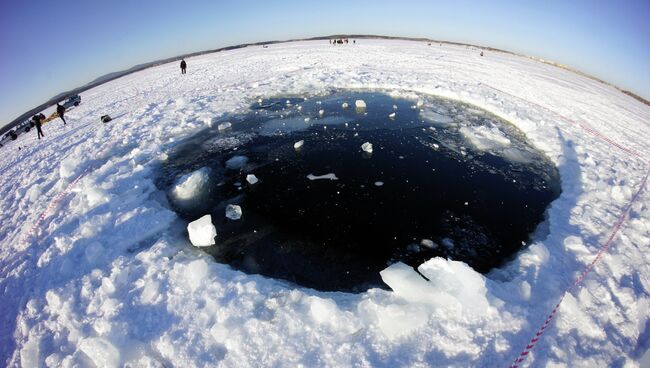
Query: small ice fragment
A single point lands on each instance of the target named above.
(251, 179)
(379, 183)
(321, 112)
(367, 147)
(360, 104)
(345, 105)
(356, 134)
(420, 103)
(233, 212)
(202, 232)
(259, 101)
(224, 126)
(466, 203)
(299, 108)
(394, 107)
(288, 102)
(236, 162)
(330, 176)
(448, 243)
(428, 243)
(298, 144)
(391, 115)
(413, 107)
(307, 120)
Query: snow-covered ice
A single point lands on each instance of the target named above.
(233, 212)
(202, 232)
(108, 279)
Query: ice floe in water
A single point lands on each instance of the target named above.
(202, 232)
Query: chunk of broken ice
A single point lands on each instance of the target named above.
(448, 243)
(360, 104)
(428, 243)
(345, 105)
(330, 176)
(190, 186)
(321, 112)
(236, 162)
(379, 183)
(202, 232)
(251, 179)
(224, 126)
(233, 212)
(391, 115)
(367, 147)
(298, 144)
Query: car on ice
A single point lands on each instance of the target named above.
(72, 101)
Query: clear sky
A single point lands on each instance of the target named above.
(48, 47)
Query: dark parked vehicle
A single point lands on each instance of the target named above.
(72, 101)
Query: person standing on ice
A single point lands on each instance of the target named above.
(183, 66)
(37, 121)
(60, 110)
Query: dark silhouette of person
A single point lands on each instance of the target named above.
(61, 111)
(183, 66)
(37, 121)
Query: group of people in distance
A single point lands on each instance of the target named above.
(341, 41)
(39, 118)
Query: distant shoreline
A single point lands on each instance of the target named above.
(115, 75)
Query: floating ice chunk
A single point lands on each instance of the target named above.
(484, 138)
(428, 243)
(436, 118)
(224, 126)
(321, 112)
(330, 176)
(251, 179)
(345, 105)
(298, 144)
(360, 105)
(419, 104)
(202, 232)
(299, 108)
(448, 243)
(391, 115)
(190, 186)
(367, 147)
(379, 183)
(394, 107)
(236, 162)
(233, 212)
(307, 120)
(100, 351)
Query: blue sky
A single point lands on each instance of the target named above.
(51, 46)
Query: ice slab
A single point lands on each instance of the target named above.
(224, 126)
(233, 212)
(190, 186)
(202, 232)
(485, 138)
(330, 176)
(251, 179)
(236, 162)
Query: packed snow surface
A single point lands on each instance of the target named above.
(108, 277)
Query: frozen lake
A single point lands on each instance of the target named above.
(442, 179)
